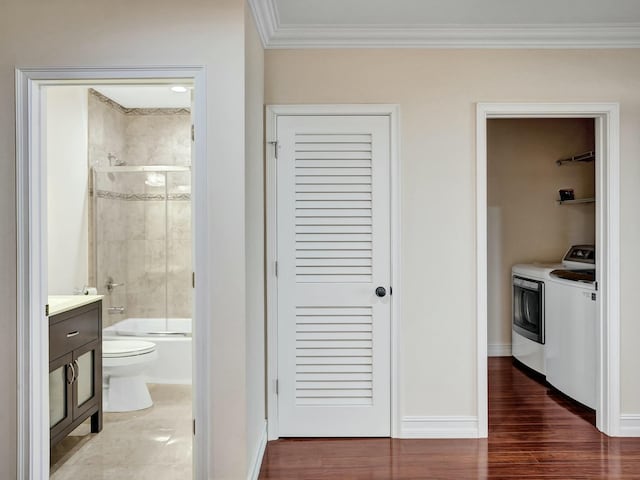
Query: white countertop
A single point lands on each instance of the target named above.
(64, 303)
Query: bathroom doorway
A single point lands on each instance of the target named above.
(138, 235)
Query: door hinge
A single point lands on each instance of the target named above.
(275, 148)
(277, 387)
(275, 267)
(193, 133)
(46, 310)
(193, 279)
(194, 427)
(596, 284)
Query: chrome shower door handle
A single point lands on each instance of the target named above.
(110, 285)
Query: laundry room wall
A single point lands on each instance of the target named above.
(438, 91)
(524, 221)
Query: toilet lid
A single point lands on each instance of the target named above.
(126, 348)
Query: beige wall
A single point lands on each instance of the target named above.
(437, 91)
(67, 189)
(524, 222)
(145, 32)
(254, 247)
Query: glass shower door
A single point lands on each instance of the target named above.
(142, 238)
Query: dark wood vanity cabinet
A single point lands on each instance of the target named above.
(75, 370)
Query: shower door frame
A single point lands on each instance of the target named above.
(31, 182)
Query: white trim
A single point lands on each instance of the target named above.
(274, 34)
(439, 427)
(256, 463)
(630, 425)
(33, 423)
(272, 113)
(607, 116)
(272, 282)
(482, 386)
(396, 268)
(499, 350)
(265, 14)
(32, 341)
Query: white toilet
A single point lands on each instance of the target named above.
(123, 365)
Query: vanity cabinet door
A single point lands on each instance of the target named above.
(87, 392)
(61, 378)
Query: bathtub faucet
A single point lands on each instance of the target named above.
(115, 310)
(111, 285)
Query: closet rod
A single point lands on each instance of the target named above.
(583, 157)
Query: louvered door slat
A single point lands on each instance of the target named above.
(340, 138)
(333, 212)
(333, 170)
(343, 155)
(327, 163)
(333, 245)
(332, 147)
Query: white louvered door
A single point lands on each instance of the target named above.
(333, 238)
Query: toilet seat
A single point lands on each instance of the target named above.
(126, 348)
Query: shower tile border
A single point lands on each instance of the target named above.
(141, 196)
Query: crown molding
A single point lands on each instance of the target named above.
(265, 13)
(491, 36)
(277, 36)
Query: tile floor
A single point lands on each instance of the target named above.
(148, 444)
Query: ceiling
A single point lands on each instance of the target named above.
(146, 96)
(448, 23)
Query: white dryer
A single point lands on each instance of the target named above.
(530, 308)
(528, 314)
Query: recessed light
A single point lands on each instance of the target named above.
(179, 89)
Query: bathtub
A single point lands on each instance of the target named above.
(173, 344)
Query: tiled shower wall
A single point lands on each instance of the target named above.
(142, 231)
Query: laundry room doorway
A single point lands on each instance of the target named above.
(547, 231)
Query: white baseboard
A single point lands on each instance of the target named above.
(499, 350)
(630, 425)
(439, 427)
(254, 471)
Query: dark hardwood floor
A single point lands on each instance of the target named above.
(534, 432)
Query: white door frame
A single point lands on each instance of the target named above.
(32, 329)
(607, 120)
(272, 114)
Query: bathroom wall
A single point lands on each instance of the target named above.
(134, 34)
(254, 245)
(67, 189)
(144, 240)
(525, 224)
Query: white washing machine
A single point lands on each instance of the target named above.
(571, 326)
(530, 308)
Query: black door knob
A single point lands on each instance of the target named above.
(381, 291)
